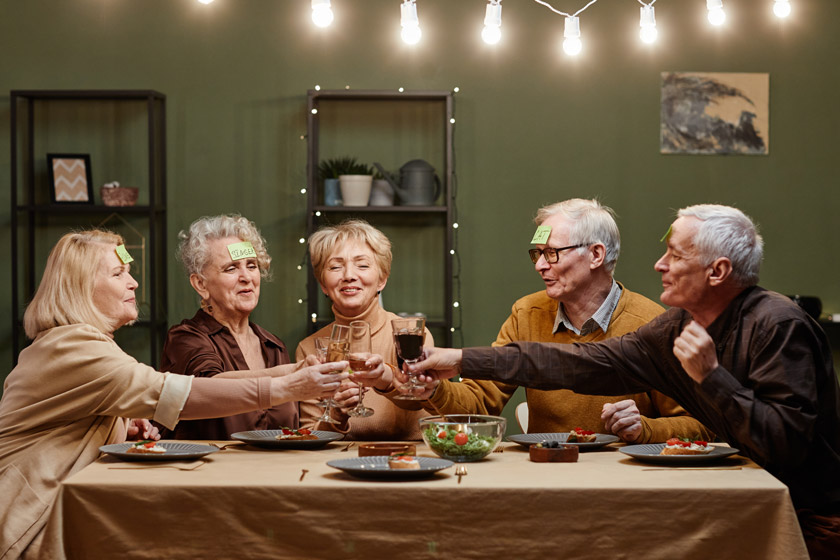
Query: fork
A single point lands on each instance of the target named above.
(460, 470)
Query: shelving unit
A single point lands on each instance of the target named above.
(107, 124)
(409, 116)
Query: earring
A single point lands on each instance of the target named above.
(206, 306)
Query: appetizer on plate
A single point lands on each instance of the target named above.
(290, 433)
(685, 446)
(579, 435)
(146, 446)
(400, 461)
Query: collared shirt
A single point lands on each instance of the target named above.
(599, 320)
(203, 347)
(774, 394)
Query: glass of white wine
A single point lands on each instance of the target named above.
(337, 347)
(359, 353)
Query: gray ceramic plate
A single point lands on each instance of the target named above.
(377, 467)
(175, 451)
(527, 440)
(268, 438)
(650, 453)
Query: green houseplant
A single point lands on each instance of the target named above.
(331, 170)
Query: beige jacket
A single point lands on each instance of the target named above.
(71, 392)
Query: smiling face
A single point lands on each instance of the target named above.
(684, 276)
(351, 278)
(231, 287)
(113, 289)
(571, 274)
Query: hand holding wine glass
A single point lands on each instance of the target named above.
(409, 336)
(336, 351)
(358, 355)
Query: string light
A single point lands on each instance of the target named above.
(322, 14)
(571, 34)
(410, 23)
(716, 14)
(647, 22)
(781, 8)
(492, 32)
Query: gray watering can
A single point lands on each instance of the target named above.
(418, 186)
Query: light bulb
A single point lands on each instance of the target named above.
(322, 14)
(205, 1)
(647, 22)
(492, 32)
(716, 14)
(410, 24)
(781, 8)
(571, 32)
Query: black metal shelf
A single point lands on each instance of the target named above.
(26, 190)
(434, 216)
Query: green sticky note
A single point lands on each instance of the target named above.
(122, 253)
(667, 235)
(241, 250)
(541, 235)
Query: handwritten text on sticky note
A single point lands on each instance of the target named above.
(122, 253)
(241, 250)
(541, 235)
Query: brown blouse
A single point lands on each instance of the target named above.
(203, 347)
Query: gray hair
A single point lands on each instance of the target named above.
(194, 249)
(728, 232)
(593, 223)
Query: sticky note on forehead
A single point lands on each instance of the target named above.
(541, 235)
(122, 253)
(241, 250)
(667, 235)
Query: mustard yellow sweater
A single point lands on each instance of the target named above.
(532, 319)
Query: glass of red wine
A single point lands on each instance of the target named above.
(409, 336)
(358, 355)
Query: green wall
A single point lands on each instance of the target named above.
(533, 126)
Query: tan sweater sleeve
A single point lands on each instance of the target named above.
(215, 398)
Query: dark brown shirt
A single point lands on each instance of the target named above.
(774, 396)
(203, 347)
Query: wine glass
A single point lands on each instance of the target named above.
(409, 336)
(358, 354)
(322, 343)
(337, 347)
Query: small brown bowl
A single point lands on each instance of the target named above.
(374, 449)
(562, 454)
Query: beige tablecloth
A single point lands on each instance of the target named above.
(250, 503)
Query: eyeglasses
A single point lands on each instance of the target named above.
(551, 254)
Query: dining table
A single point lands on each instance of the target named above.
(245, 501)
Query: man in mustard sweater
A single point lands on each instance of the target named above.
(577, 245)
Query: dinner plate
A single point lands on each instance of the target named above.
(526, 440)
(268, 438)
(377, 467)
(175, 451)
(650, 453)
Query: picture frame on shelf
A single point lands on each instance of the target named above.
(70, 178)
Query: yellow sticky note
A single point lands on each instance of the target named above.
(541, 235)
(241, 250)
(667, 235)
(122, 253)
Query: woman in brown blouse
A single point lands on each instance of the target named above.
(226, 259)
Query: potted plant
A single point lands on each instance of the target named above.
(355, 180)
(328, 171)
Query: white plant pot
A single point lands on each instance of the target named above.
(355, 189)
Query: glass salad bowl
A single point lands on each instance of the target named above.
(463, 437)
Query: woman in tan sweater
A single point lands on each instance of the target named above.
(352, 262)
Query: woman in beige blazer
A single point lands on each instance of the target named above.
(74, 389)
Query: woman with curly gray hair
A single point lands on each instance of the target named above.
(226, 260)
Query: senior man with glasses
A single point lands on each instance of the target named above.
(577, 245)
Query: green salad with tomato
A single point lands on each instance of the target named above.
(451, 443)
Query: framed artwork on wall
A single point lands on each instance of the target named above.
(70, 178)
(715, 113)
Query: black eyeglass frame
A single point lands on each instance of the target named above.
(535, 254)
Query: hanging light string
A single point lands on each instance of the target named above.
(455, 328)
(558, 12)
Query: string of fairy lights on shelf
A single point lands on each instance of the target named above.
(457, 319)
